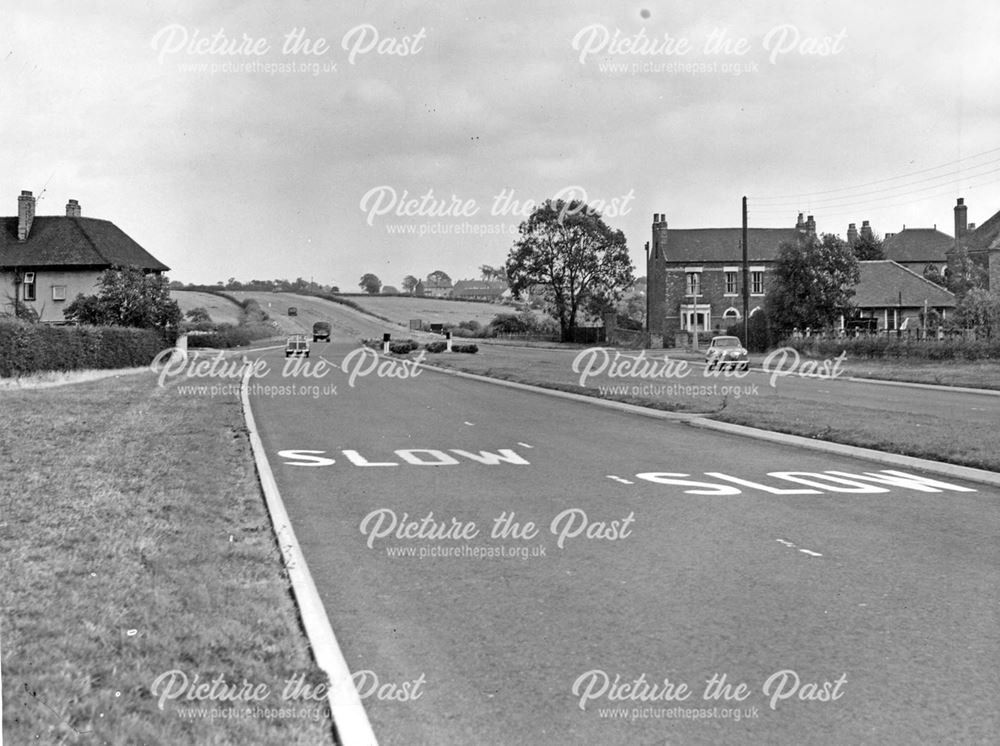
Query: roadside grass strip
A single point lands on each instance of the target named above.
(139, 563)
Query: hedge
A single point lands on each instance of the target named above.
(31, 348)
(889, 348)
(224, 336)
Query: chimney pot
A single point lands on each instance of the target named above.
(72, 209)
(971, 227)
(961, 218)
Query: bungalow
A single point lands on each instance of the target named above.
(923, 250)
(46, 261)
(892, 297)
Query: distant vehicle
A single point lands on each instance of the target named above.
(726, 352)
(297, 344)
(293, 311)
(321, 330)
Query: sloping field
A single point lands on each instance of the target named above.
(220, 309)
(430, 310)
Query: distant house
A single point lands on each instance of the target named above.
(982, 244)
(894, 297)
(46, 261)
(479, 289)
(437, 287)
(919, 249)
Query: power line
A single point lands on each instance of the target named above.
(878, 181)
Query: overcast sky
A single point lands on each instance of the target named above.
(227, 153)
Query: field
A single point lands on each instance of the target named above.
(429, 310)
(220, 309)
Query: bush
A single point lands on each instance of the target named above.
(31, 348)
(224, 336)
(469, 348)
(404, 347)
(435, 347)
(884, 346)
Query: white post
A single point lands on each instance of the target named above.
(385, 343)
(447, 337)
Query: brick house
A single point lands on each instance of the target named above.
(46, 261)
(982, 244)
(488, 290)
(694, 275)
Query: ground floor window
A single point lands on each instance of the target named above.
(696, 317)
(29, 286)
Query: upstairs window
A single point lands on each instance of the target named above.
(29, 286)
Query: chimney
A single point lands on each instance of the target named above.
(72, 209)
(852, 234)
(961, 218)
(811, 226)
(866, 230)
(25, 214)
(800, 224)
(889, 235)
(971, 227)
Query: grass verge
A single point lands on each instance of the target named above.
(135, 542)
(966, 442)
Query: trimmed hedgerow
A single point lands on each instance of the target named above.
(32, 348)
(470, 348)
(437, 346)
(224, 336)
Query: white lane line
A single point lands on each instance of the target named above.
(786, 543)
(790, 545)
(811, 554)
(349, 716)
(470, 424)
(619, 479)
(524, 444)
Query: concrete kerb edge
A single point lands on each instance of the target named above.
(931, 386)
(349, 716)
(955, 471)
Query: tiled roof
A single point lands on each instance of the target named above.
(56, 241)
(479, 286)
(986, 236)
(723, 244)
(884, 282)
(917, 245)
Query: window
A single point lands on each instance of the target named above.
(732, 283)
(58, 292)
(693, 283)
(29, 286)
(756, 283)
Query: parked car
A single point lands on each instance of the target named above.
(726, 352)
(321, 330)
(293, 311)
(297, 344)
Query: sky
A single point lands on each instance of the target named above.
(326, 140)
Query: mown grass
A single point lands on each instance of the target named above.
(957, 441)
(134, 542)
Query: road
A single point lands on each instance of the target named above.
(853, 605)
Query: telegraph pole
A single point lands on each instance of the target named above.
(746, 280)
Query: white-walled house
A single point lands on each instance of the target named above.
(46, 261)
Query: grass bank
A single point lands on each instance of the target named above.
(135, 542)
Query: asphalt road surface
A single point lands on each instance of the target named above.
(675, 586)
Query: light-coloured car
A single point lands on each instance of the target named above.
(297, 344)
(726, 352)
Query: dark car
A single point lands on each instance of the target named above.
(297, 344)
(293, 311)
(726, 352)
(321, 331)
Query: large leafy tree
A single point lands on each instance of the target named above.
(370, 283)
(574, 255)
(812, 284)
(127, 297)
(491, 274)
(410, 284)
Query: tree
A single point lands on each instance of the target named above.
(962, 273)
(439, 278)
(127, 297)
(572, 253)
(932, 273)
(410, 283)
(812, 284)
(492, 274)
(980, 310)
(370, 283)
(868, 247)
(198, 316)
